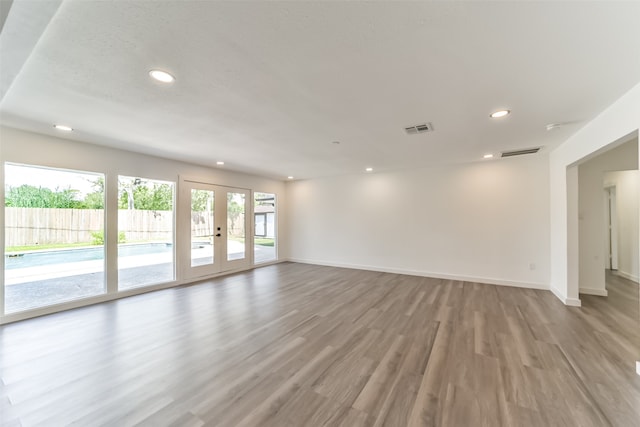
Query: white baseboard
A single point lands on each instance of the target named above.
(596, 292)
(638, 367)
(628, 276)
(572, 302)
(430, 274)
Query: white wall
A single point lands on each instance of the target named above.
(591, 215)
(615, 125)
(485, 222)
(30, 148)
(627, 184)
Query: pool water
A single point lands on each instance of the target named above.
(63, 256)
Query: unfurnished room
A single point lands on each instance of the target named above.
(319, 213)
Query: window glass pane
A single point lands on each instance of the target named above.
(202, 221)
(264, 241)
(235, 226)
(145, 232)
(54, 239)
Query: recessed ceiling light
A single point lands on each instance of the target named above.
(162, 76)
(499, 113)
(63, 127)
(220, 163)
(289, 177)
(488, 156)
(369, 170)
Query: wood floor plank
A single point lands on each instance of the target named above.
(293, 345)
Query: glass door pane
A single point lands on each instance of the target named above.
(264, 236)
(202, 227)
(236, 227)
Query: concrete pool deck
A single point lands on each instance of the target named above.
(17, 276)
(46, 292)
(55, 271)
(39, 286)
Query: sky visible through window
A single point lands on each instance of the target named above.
(17, 175)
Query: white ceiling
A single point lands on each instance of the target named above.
(267, 86)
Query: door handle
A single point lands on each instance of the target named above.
(218, 235)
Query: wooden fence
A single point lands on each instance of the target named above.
(44, 226)
(146, 225)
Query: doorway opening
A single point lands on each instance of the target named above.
(611, 228)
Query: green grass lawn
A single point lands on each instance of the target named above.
(264, 242)
(257, 241)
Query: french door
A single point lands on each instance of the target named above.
(219, 228)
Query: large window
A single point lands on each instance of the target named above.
(264, 241)
(54, 240)
(145, 232)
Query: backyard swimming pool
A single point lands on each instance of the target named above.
(62, 256)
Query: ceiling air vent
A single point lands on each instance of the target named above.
(425, 127)
(520, 152)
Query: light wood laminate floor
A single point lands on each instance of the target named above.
(302, 345)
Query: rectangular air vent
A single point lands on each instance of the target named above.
(520, 152)
(425, 127)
